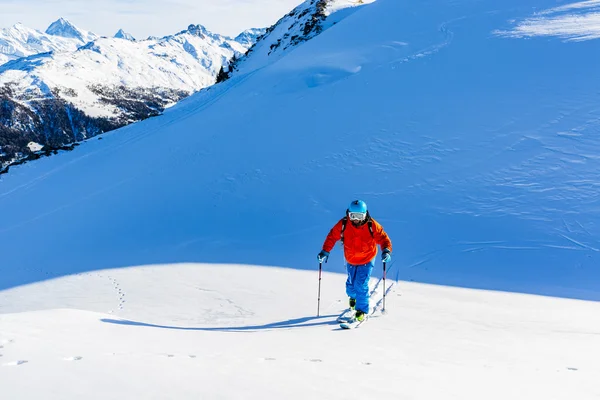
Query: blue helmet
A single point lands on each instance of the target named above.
(358, 206)
(357, 212)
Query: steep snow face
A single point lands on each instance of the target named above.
(21, 41)
(299, 25)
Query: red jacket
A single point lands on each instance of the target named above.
(359, 246)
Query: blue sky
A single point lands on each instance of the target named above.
(143, 18)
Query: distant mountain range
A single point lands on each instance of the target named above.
(68, 84)
(20, 41)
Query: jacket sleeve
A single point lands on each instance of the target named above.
(334, 235)
(381, 237)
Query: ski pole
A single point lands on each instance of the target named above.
(319, 298)
(384, 268)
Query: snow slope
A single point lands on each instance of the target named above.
(230, 332)
(303, 23)
(480, 168)
(138, 256)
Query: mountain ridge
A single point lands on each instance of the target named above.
(101, 86)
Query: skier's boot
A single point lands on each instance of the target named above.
(360, 316)
(352, 303)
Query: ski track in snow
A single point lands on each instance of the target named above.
(73, 358)
(448, 37)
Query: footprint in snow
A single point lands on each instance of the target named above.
(74, 358)
(13, 363)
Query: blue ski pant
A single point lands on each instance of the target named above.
(357, 284)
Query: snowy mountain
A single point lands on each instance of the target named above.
(64, 28)
(301, 24)
(19, 41)
(176, 257)
(55, 99)
(121, 34)
(250, 36)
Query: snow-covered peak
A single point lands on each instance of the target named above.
(18, 33)
(197, 29)
(63, 28)
(18, 29)
(202, 32)
(121, 34)
(250, 36)
(301, 24)
(21, 41)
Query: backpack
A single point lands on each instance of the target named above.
(345, 221)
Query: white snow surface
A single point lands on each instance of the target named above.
(575, 22)
(33, 146)
(176, 257)
(281, 38)
(238, 331)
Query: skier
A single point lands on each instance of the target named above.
(360, 239)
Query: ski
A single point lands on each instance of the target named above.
(346, 316)
(353, 324)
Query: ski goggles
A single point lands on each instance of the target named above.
(357, 216)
